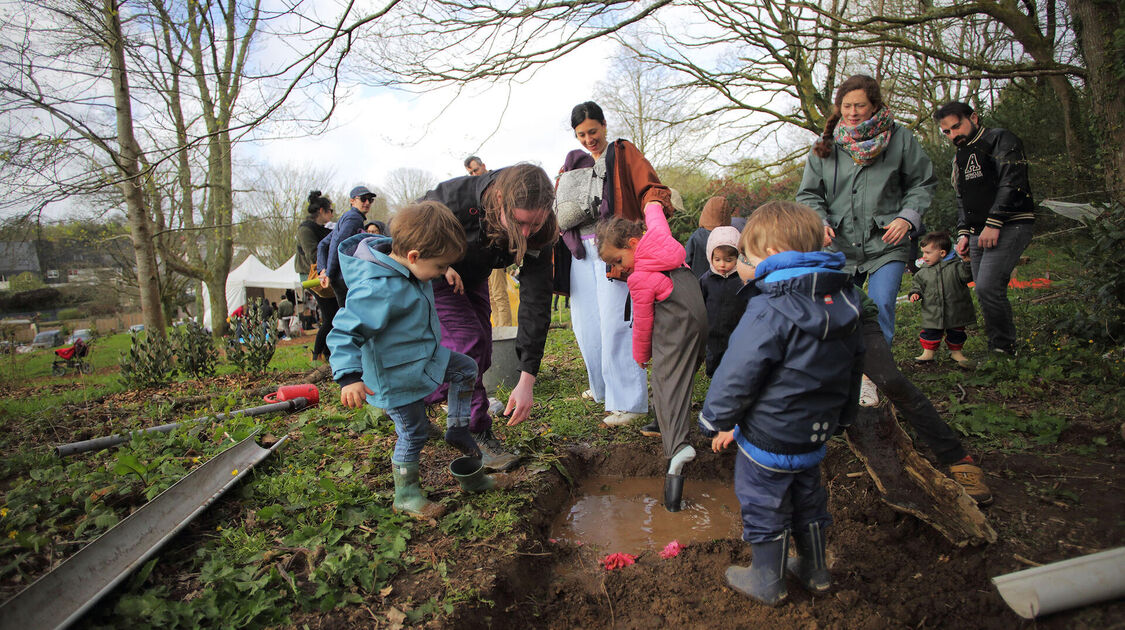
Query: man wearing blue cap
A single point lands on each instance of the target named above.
(328, 258)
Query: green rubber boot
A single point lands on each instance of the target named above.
(408, 493)
(469, 472)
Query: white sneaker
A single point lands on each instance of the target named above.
(618, 418)
(495, 407)
(588, 395)
(868, 393)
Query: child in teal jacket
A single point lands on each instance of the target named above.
(385, 342)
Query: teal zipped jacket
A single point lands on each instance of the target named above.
(388, 335)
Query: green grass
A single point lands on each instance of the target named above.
(312, 529)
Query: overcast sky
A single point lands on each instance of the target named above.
(379, 130)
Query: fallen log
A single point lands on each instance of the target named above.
(909, 483)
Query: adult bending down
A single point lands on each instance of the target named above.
(870, 181)
(507, 218)
(310, 233)
(622, 184)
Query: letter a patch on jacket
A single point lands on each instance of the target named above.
(972, 168)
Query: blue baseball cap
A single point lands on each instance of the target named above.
(360, 191)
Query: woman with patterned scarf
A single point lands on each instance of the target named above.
(870, 181)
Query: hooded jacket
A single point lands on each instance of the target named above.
(858, 202)
(388, 334)
(716, 212)
(946, 302)
(725, 304)
(464, 195)
(791, 375)
(657, 251)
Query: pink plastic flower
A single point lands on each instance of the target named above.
(617, 560)
(671, 550)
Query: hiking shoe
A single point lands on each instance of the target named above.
(618, 418)
(492, 452)
(651, 429)
(868, 393)
(971, 477)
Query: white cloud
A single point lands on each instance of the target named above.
(378, 130)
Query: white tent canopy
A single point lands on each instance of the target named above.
(252, 273)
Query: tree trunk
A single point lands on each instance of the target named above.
(127, 162)
(217, 296)
(1097, 21)
(910, 484)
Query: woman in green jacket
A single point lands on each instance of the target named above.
(870, 181)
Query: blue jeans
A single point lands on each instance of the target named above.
(992, 268)
(411, 423)
(882, 288)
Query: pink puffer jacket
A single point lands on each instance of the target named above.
(657, 251)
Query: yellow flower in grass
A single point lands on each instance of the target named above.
(12, 534)
(3, 512)
(234, 472)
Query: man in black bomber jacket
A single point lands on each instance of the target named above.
(995, 212)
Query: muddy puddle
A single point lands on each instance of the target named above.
(626, 514)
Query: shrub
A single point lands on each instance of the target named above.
(149, 362)
(252, 339)
(1097, 313)
(69, 313)
(196, 353)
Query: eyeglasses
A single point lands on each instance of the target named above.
(742, 259)
(367, 198)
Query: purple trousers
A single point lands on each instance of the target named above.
(466, 327)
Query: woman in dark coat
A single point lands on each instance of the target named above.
(310, 233)
(508, 219)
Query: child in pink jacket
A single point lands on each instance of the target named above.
(667, 305)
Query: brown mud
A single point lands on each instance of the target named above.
(889, 569)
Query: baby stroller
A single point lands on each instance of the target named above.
(72, 358)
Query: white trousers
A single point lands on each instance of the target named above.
(597, 312)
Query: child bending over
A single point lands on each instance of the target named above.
(942, 285)
(385, 343)
(667, 305)
(721, 293)
(788, 382)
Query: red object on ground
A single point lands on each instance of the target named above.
(307, 391)
(671, 550)
(1034, 283)
(617, 560)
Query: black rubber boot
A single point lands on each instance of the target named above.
(460, 439)
(764, 579)
(810, 567)
(673, 492)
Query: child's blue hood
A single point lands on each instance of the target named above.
(791, 264)
(359, 251)
(809, 289)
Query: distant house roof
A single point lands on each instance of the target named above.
(16, 258)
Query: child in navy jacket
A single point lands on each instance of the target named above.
(720, 285)
(788, 382)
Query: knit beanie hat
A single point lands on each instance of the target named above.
(722, 235)
(716, 212)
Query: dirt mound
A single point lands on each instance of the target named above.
(889, 570)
